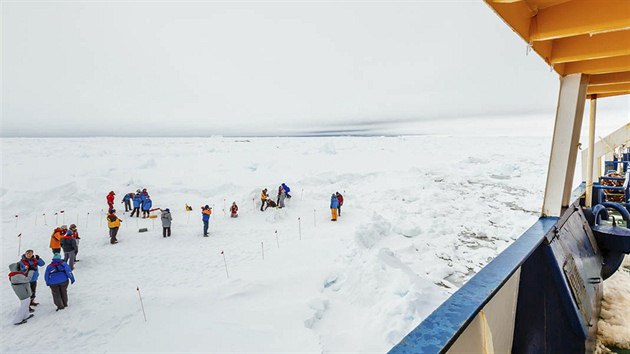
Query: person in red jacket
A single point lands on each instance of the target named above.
(110, 200)
(340, 199)
(234, 210)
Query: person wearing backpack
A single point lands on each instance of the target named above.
(75, 235)
(57, 276)
(20, 282)
(127, 201)
(113, 223)
(166, 222)
(137, 203)
(31, 261)
(55, 238)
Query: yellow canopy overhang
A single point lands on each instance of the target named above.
(576, 36)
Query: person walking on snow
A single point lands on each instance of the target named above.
(113, 223)
(281, 196)
(110, 200)
(334, 204)
(166, 222)
(146, 208)
(56, 276)
(70, 248)
(137, 203)
(286, 190)
(340, 199)
(206, 211)
(234, 210)
(127, 201)
(263, 197)
(20, 281)
(31, 261)
(55, 238)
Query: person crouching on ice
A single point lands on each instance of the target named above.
(234, 210)
(113, 223)
(57, 275)
(206, 211)
(334, 204)
(166, 218)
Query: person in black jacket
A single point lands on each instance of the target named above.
(70, 248)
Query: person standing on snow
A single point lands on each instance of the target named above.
(137, 203)
(234, 210)
(127, 201)
(166, 222)
(28, 262)
(340, 199)
(75, 234)
(113, 223)
(206, 211)
(286, 190)
(70, 248)
(263, 197)
(110, 200)
(281, 196)
(334, 204)
(55, 238)
(20, 281)
(57, 275)
(146, 207)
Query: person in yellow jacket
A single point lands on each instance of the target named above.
(113, 222)
(55, 238)
(263, 198)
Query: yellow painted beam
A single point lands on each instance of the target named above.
(598, 66)
(607, 79)
(579, 17)
(586, 47)
(604, 95)
(604, 89)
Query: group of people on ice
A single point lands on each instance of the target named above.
(24, 274)
(266, 201)
(141, 201)
(336, 201)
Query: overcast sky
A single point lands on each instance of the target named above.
(200, 68)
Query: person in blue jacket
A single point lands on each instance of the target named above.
(334, 205)
(137, 202)
(28, 262)
(146, 207)
(127, 201)
(206, 211)
(57, 275)
(286, 190)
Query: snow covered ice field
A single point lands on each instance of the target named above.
(421, 215)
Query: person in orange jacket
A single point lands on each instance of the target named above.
(55, 238)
